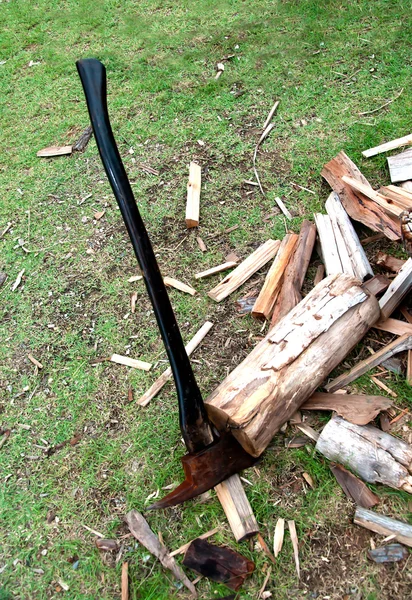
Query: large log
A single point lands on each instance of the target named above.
(285, 368)
(383, 525)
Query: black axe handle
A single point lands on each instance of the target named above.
(194, 422)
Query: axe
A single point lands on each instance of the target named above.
(212, 456)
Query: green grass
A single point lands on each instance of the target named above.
(326, 62)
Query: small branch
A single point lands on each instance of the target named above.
(369, 112)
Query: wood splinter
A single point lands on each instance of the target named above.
(193, 195)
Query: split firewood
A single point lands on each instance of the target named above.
(219, 564)
(278, 536)
(328, 248)
(290, 292)
(193, 195)
(54, 151)
(399, 196)
(203, 536)
(245, 270)
(353, 487)
(264, 391)
(391, 263)
(376, 456)
(397, 291)
(384, 525)
(399, 345)
(166, 375)
(179, 285)
(406, 140)
(237, 508)
(295, 544)
(406, 231)
(355, 408)
(350, 249)
(377, 285)
(140, 529)
(358, 208)
(83, 140)
(388, 554)
(223, 267)
(394, 326)
(400, 166)
(383, 201)
(130, 362)
(264, 304)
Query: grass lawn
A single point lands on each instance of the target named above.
(326, 62)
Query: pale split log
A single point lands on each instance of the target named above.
(140, 529)
(356, 408)
(376, 456)
(167, 374)
(193, 195)
(245, 270)
(399, 345)
(218, 269)
(179, 285)
(394, 326)
(237, 508)
(130, 362)
(342, 223)
(406, 140)
(401, 197)
(263, 306)
(290, 292)
(276, 378)
(358, 208)
(398, 289)
(383, 525)
(385, 203)
(328, 246)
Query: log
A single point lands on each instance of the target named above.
(328, 246)
(399, 345)
(400, 166)
(377, 285)
(356, 408)
(193, 195)
(265, 302)
(287, 366)
(290, 292)
(237, 508)
(391, 263)
(246, 269)
(376, 456)
(218, 563)
(166, 375)
(406, 140)
(358, 208)
(383, 525)
(394, 326)
(179, 285)
(386, 203)
(398, 289)
(140, 529)
(351, 245)
(218, 269)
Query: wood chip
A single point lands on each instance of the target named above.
(309, 480)
(265, 548)
(34, 361)
(18, 281)
(55, 151)
(133, 300)
(278, 537)
(218, 269)
(356, 408)
(193, 195)
(130, 362)
(353, 487)
(135, 278)
(179, 285)
(294, 538)
(201, 243)
(98, 215)
(309, 431)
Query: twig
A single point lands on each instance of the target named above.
(270, 115)
(262, 589)
(100, 535)
(303, 188)
(6, 229)
(369, 112)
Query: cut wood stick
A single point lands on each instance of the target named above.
(376, 456)
(201, 243)
(290, 292)
(245, 270)
(361, 209)
(389, 262)
(328, 246)
(125, 581)
(295, 544)
(54, 151)
(377, 285)
(399, 345)
(398, 289)
(358, 409)
(130, 362)
(351, 247)
(384, 202)
(141, 531)
(406, 140)
(167, 374)
(383, 525)
(203, 536)
(264, 304)
(320, 274)
(179, 285)
(264, 391)
(193, 195)
(278, 536)
(354, 487)
(283, 208)
(237, 508)
(223, 267)
(394, 326)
